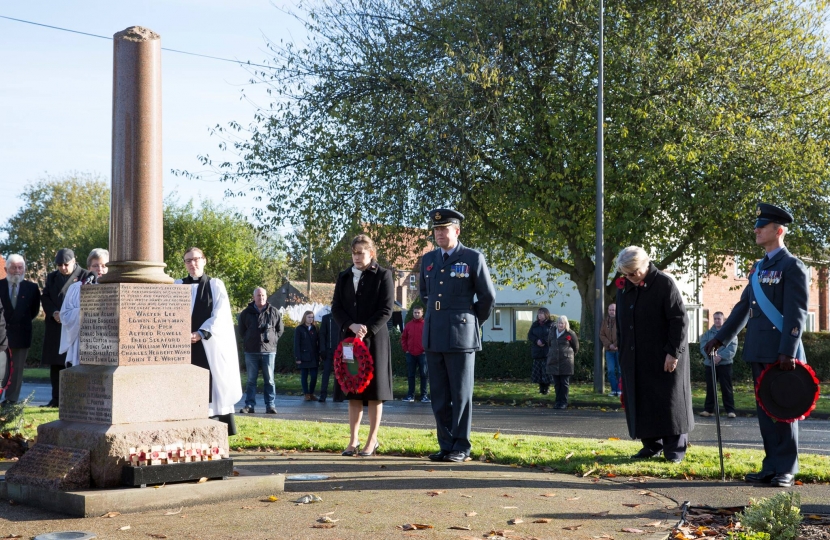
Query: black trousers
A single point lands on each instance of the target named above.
(780, 438)
(561, 385)
(724, 374)
(55, 379)
(673, 446)
(328, 368)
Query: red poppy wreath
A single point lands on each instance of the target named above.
(354, 383)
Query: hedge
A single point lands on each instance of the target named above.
(512, 360)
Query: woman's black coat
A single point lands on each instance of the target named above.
(371, 305)
(561, 352)
(539, 331)
(652, 322)
(307, 346)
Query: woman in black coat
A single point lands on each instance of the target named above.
(363, 300)
(307, 353)
(538, 338)
(562, 348)
(654, 357)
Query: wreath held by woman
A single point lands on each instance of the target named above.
(354, 377)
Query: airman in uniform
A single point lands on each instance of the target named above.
(456, 288)
(774, 321)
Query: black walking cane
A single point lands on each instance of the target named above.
(717, 412)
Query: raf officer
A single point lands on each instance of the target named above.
(773, 307)
(459, 295)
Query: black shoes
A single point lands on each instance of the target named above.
(645, 453)
(456, 457)
(350, 453)
(270, 410)
(321, 399)
(782, 480)
(760, 477)
(52, 403)
(370, 453)
(439, 455)
(247, 409)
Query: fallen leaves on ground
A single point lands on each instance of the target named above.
(460, 528)
(111, 514)
(467, 496)
(515, 521)
(307, 499)
(323, 525)
(548, 495)
(414, 526)
(326, 519)
(13, 536)
(124, 528)
(202, 480)
(471, 514)
(156, 535)
(633, 530)
(173, 513)
(435, 493)
(497, 434)
(601, 514)
(569, 456)
(542, 520)
(574, 498)
(572, 527)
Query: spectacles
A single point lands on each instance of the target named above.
(631, 274)
(188, 261)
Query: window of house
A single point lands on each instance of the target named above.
(497, 319)
(811, 322)
(524, 319)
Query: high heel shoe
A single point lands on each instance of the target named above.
(350, 453)
(370, 453)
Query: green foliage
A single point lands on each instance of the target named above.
(243, 257)
(394, 107)
(415, 303)
(749, 536)
(11, 415)
(779, 515)
(71, 211)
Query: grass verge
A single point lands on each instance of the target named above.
(586, 457)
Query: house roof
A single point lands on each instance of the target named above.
(321, 293)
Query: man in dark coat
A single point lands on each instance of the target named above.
(329, 339)
(459, 296)
(654, 357)
(21, 303)
(57, 283)
(260, 326)
(782, 279)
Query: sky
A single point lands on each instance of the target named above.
(56, 87)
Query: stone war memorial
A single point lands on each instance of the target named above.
(135, 411)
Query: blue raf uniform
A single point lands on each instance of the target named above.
(459, 296)
(783, 280)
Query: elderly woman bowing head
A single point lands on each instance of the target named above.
(654, 357)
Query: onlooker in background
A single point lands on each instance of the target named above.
(260, 326)
(654, 357)
(416, 358)
(562, 348)
(538, 338)
(307, 353)
(723, 369)
(96, 262)
(4, 342)
(608, 337)
(212, 338)
(362, 304)
(329, 339)
(20, 301)
(57, 283)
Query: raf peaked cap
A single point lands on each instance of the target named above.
(443, 217)
(63, 256)
(767, 213)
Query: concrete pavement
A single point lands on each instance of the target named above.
(373, 498)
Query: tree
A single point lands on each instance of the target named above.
(242, 256)
(70, 211)
(397, 106)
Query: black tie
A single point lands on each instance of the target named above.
(446, 256)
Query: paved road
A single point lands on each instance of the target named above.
(814, 435)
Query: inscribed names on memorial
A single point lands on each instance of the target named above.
(86, 397)
(129, 324)
(52, 467)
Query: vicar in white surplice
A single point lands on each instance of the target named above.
(212, 337)
(96, 263)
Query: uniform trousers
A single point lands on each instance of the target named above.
(14, 374)
(780, 438)
(451, 387)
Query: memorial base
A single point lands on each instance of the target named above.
(150, 475)
(109, 446)
(97, 502)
